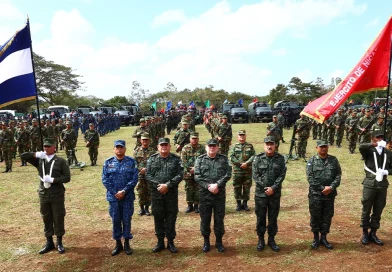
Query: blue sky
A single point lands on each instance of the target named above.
(247, 46)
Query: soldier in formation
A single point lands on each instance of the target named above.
(273, 129)
(303, 129)
(91, 137)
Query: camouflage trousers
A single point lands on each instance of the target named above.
(302, 143)
(324, 134)
(365, 138)
(36, 145)
(224, 147)
(352, 141)
(314, 131)
(373, 201)
(192, 191)
(22, 148)
(321, 212)
(143, 192)
(93, 153)
(208, 205)
(8, 154)
(264, 205)
(331, 134)
(339, 136)
(242, 183)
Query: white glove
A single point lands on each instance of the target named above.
(40, 155)
(385, 172)
(382, 143)
(47, 178)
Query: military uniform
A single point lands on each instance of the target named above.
(225, 132)
(141, 156)
(339, 121)
(303, 131)
(68, 137)
(138, 133)
(6, 142)
(182, 137)
(268, 172)
(209, 171)
(92, 138)
(242, 178)
(167, 171)
(120, 175)
(352, 131)
(22, 138)
(189, 154)
(273, 129)
(322, 172)
(35, 137)
(364, 121)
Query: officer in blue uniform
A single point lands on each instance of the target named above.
(119, 176)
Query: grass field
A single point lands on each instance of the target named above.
(88, 240)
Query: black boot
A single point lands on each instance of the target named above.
(142, 211)
(160, 245)
(118, 248)
(316, 240)
(365, 237)
(283, 140)
(324, 241)
(239, 206)
(196, 208)
(207, 245)
(147, 211)
(245, 206)
(189, 209)
(373, 238)
(60, 247)
(261, 243)
(127, 247)
(219, 244)
(272, 244)
(92, 163)
(48, 246)
(171, 246)
(6, 170)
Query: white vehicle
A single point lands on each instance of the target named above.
(8, 112)
(61, 109)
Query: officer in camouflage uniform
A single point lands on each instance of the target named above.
(141, 155)
(268, 171)
(189, 154)
(22, 138)
(35, 136)
(13, 130)
(91, 137)
(6, 140)
(363, 125)
(388, 119)
(241, 156)
(303, 132)
(331, 130)
(339, 121)
(379, 125)
(164, 173)
(212, 172)
(138, 133)
(182, 136)
(352, 131)
(273, 130)
(60, 127)
(281, 124)
(119, 176)
(375, 185)
(225, 134)
(324, 174)
(68, 138)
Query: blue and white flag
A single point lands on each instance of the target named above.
(192, 104)
(16, 69)
(168, 105)
(240, 102)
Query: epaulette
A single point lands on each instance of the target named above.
(153, 155)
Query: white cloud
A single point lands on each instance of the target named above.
(10, 12)
(373, 23)
(279, 52)
(305, 75)
(169, 16)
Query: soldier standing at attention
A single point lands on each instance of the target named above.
(324, 175)
(141, 155)
(35, 136)
(212, 172)
(22, 138)
(225, 134)
(352, 131)
(91, 137)
(378, 164)
(241, 157)
(189, 154)
(182, 136)
(339, 121)
(68, 138)
(119, 176)
(303, 132)
(281, 124)
(60, 127)
(6, 140)
(268, 171)
(54, 172)
(164, 173)
(273, 129)
(365, 134)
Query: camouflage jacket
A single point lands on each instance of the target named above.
(22, 136)
(69, 136)
(268, 172)
(242, 153)
(273, 129)
(92, 136)
(167, 171)
(304, 127)
(222, 128)
(6, 138)
(364, 121)
(138, 134)
(189, 155)
(182, 135)
(141, 156)
(323, 172)
(50, 131)
(34, 133)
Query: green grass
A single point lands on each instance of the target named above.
(88, 239)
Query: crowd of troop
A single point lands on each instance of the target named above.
(156, 171)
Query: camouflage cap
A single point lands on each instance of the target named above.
(195, 135)
(367, 110)
(241, 132)
(91, 124)
(274, 116)
(269, 139)
(49, 142)
(142, 120)
(212, 142)
(68, 123)
(223, 117)
(381, 116)
(25, 121)
(322, 143)
(377, 133)
(164, 141)
(184, 122)
(119, 143)
(147, 118)
(145, 136)
(34, 120)
(340, 109)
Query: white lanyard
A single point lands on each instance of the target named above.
(43, 168)
(376, 164)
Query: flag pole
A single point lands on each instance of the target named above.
(388, 91)
(35, 83)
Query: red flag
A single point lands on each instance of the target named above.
(255, 100)
(371, 73)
